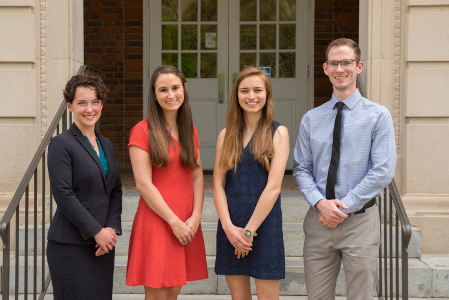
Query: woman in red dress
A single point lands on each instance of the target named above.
(166, 247)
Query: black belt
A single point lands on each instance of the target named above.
(367, 205)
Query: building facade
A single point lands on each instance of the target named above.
(403, 47)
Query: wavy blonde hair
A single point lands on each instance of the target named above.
(262, 142)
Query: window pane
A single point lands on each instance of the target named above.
(169, 10)
(268, 37)
(189, 64)
(169, 37)
(267, 10)
(287, 36)
(170, 59)
(208, 65)
(248, 37)
(248, 10)
(209, 10)
(287, 10)
(188, 37)
(247, 59)
(287, 65)
(208, 37)
(189, 10)
(268, 60)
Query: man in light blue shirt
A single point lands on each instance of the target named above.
(344, 228)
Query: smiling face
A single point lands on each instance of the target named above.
(86, 108)
(252, 94)
(169, 92)
(343, 78)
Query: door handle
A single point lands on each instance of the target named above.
(221, 83)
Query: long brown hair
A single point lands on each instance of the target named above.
(159, 136)
(262, 142)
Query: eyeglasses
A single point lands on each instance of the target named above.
(345, 64)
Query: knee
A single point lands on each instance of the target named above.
(240, 296)
(173, 292)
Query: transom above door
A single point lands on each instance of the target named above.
(211, 41)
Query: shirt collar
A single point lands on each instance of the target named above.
(350, 101)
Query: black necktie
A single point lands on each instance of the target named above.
(335, 159)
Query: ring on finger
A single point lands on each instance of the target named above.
(184, 241)
(236, 245)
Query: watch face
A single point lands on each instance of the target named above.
(247, 233)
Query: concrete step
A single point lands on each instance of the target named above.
(427, 278)
(294, 207)
(204, 297)
(293, 239)
(208, 297)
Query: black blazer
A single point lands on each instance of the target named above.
(87, 201)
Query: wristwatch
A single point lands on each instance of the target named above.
(248, 233)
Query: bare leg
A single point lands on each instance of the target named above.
(239, 286)
(165, 293)
(267, 289)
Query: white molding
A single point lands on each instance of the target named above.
(396, 113)
(146, 56)
(311, 56)
(43, 65)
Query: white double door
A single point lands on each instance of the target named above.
(211, 41)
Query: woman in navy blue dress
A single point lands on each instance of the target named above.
(250, 161)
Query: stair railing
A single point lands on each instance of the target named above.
(392, 279)
(60, 123)
(396, 234)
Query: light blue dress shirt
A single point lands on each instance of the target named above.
(367, 152)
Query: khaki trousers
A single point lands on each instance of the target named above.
(355, 242)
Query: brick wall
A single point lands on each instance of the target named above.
(333, 19)
(113, 43)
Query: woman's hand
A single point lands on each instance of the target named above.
(235, 237)
(241, 252)
(193, 222)
(106, 240)
(183, 233)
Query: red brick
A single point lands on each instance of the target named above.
(109, 56)
(347, 16)
(133, 50)
(138, 10)
(109, 16)
(93, 10)
(133, 16)
(133, 63)
(134, 69)
(109, 30)
(133, 30)
(129, 3)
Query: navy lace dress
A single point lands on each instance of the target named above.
(243, 189)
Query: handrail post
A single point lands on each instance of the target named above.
(6, 238)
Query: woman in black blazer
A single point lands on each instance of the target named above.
(86, 185)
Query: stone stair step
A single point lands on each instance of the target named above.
(294, 207)
(426, 278)
(207, 297)
(293, 239)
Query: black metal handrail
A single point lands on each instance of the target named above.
(58, 125)
(393, 278)
(390, 283)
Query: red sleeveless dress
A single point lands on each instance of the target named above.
(156, 258)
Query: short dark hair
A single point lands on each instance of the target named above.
(344, 42)
(85, 80)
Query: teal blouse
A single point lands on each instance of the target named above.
(103, 158)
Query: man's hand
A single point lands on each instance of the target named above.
(330, 215)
